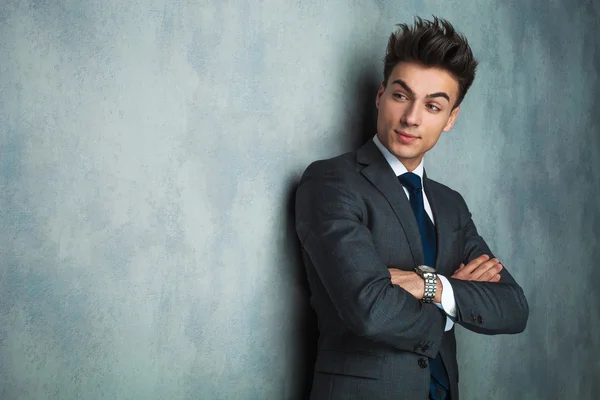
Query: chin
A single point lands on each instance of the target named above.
(400, 150)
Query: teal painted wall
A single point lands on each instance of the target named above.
(149, 154)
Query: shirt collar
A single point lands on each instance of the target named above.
(396, 165)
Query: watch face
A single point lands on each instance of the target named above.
(425, 268)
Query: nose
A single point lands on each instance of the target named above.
(411, 115)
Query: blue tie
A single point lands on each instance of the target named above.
(439, 384)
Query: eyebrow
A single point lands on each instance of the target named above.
(412, 93)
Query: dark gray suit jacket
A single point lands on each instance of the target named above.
(353, 220)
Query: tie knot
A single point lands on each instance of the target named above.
(411, 181)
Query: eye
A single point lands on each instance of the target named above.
(399, 96)
(433, 107)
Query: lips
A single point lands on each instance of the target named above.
(406, 138)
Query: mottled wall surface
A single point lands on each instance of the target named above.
(149, 153)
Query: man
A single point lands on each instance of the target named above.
(393, 258)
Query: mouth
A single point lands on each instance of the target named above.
(405, 137)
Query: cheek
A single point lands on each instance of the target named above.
(392, 115)
(384, 117)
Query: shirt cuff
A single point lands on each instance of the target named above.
(448, 302)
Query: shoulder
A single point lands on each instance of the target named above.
(340, 166)
(348, 165)
(330, 182)
(327, 192)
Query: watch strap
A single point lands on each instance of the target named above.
(430, 287)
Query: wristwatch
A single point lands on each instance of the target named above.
(430, 277)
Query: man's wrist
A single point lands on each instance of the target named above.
(438, 291)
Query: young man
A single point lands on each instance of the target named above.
(393, 258)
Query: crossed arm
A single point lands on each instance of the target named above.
(488, 300)
(481, 269)
(329, 224)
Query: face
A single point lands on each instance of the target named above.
(414, 108)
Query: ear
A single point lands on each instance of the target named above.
(379, 94)
(452, 119)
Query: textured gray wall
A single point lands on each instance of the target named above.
(149, 153)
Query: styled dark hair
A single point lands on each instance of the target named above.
(432, 44)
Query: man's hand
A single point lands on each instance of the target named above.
(413, 283)
(481, 269)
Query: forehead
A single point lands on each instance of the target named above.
(424, 80)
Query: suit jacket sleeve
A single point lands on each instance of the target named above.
(487, 307)
(330, 225)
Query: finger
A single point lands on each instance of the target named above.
(482, 269)
(461, 272)
(460, 267)
(457, 270)
(470, 267)
(495, 278)
(478, 266)
(486, 270)
(490, 273)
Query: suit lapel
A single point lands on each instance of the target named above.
(380, 174)
(443, 226)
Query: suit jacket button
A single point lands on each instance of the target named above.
(479, 320)
(418, 347)
(425, 347)
(423, 363)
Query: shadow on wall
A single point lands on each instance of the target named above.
(356, 129)
(362, 122)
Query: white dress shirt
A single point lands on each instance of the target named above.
(448, 302)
